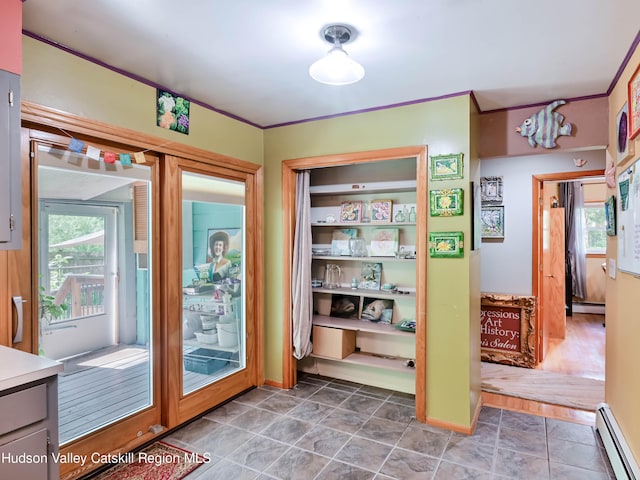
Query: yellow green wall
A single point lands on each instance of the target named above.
(622, 386)
(56, 79)
(453, 311)
(60, 80)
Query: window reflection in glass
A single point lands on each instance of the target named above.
(213, 323)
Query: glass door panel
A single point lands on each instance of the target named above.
(94, 279)
(213, 279)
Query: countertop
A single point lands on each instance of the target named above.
(18, 367)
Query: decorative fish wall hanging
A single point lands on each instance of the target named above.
(544, 127)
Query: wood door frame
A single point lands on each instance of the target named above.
(44, 124)
(537, 182)
(178, 407)
(289, 170)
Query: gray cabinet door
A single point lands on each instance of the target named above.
(26, 458)
(10, 168)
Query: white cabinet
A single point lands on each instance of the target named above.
(11, 178)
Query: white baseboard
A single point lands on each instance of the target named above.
(620, 456)
(588, 308)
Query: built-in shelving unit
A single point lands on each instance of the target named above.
(381, 349)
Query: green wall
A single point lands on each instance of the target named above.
(54, 78)
(59, 80)
(453, 310)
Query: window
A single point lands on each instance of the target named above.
(594, 231)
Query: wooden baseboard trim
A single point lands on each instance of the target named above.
(271, 383)
(467, 430)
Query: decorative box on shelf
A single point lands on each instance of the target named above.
(206, 360)
(333, 342)
(198, 289)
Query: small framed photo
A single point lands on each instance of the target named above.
(446, 203)
(610, 215)
(634, 104)
(624, 147)
(492, 221)
(444, 167)
(381, 211)
(377, 310)
(491, 190)
(446, 244)
(384, 242)
(351, 212)
(172, 111)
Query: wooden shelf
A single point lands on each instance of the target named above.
(362, 259)
(364, 187)
(359, 325)
(209, 346)
(361, 292)
(364, 224)
(396, 364)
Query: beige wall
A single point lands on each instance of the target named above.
(588, 118)
(453, 368)
(622, 387)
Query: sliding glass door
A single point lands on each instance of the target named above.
(207, 276)
(95, 306)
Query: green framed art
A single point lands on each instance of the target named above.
(446, 203)
(446, 244)
(610, 215)
(444, 167)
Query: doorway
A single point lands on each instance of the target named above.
(144, 246)
(576, 347)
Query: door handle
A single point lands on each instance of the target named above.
(550, 276)
(17, 304)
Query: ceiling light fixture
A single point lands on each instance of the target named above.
(336, 68)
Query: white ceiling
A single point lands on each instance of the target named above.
(250, 58)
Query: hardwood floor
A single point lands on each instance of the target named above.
(581, 354)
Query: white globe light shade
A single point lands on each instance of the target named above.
(336, 68)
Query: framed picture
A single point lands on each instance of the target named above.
(444, 167)
(384, 242)
(345, 306)
(476, 237)
(507, 329)
(172, 112)
(491, 190)
(340, 241)
(446, 203)
(610, 215)
(377, 310)
(381, 211)
(624, 147)
(370, 277)
(492, 221)
(224, 254)
(634, 104)
(351, 212)
(446, 244)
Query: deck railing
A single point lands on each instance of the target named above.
(84, 293)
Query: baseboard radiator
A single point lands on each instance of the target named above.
(620, 456)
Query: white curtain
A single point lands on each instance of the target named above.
(301, 274)
(572, 199)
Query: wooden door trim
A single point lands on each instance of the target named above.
(289, 170)
(48, 119)
(180, 407)
(43, 125)
(536, 232)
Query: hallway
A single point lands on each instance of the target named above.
(581, 353)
